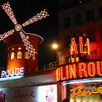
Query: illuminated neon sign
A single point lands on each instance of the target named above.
(84, 46)
(80, 91)
(11, 73)
(80, 46)
(79, 70)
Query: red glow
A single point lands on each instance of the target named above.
(82, 69)
(79, 91)
(79, 70)
(74, 49)
(81, 47)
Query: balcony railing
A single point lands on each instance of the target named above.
(50, 66)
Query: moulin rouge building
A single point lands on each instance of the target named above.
(78, 74)
(80, 35)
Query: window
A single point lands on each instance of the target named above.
(67, 22)
(26, 55)
(12, 49)
(75, 92)
(65, 4)
(12, 55)
(67, 59)
(77, 34)
(19, 55)
(91, 34)
(78, 19)
(101, 31)
(67, 41)
(90, 15)
(100, 12)
(19, 48)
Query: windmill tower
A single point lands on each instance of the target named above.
(22, 46)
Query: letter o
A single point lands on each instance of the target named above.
(91, 69)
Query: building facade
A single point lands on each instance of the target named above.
(79, 57)
(83, 18)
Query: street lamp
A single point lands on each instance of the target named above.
(55, 46)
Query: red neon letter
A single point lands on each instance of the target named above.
(82, 70)
(62, 74)
(88, 46)
(72, 71)
(73, 47)
(58, 74)
(82, 47)
(67, 72)
(91, 69)
(99, 68)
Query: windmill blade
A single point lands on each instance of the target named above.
(27, 44)
(8, 10)
(38, 16)
(6, 34)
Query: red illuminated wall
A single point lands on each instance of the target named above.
(95, 45)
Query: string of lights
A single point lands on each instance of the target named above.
(9, 12)
(38, 16)
(27, 44)
(6, 34)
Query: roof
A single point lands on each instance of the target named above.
(40, 78)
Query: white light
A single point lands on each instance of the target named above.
(54, 46)
(9, 12)
(84, 101)
(47, 93)
(27, 37)
(19, 48)
(90, 101)
(12, 49)
(11, 78)
(37, 17)
(6, 34)
(18, 27)
(83, 81)
(78, 100)
(12, 55)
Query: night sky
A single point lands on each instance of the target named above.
(47, 28)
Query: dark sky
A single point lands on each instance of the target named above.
(47, 28)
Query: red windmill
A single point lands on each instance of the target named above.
(22, 47)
